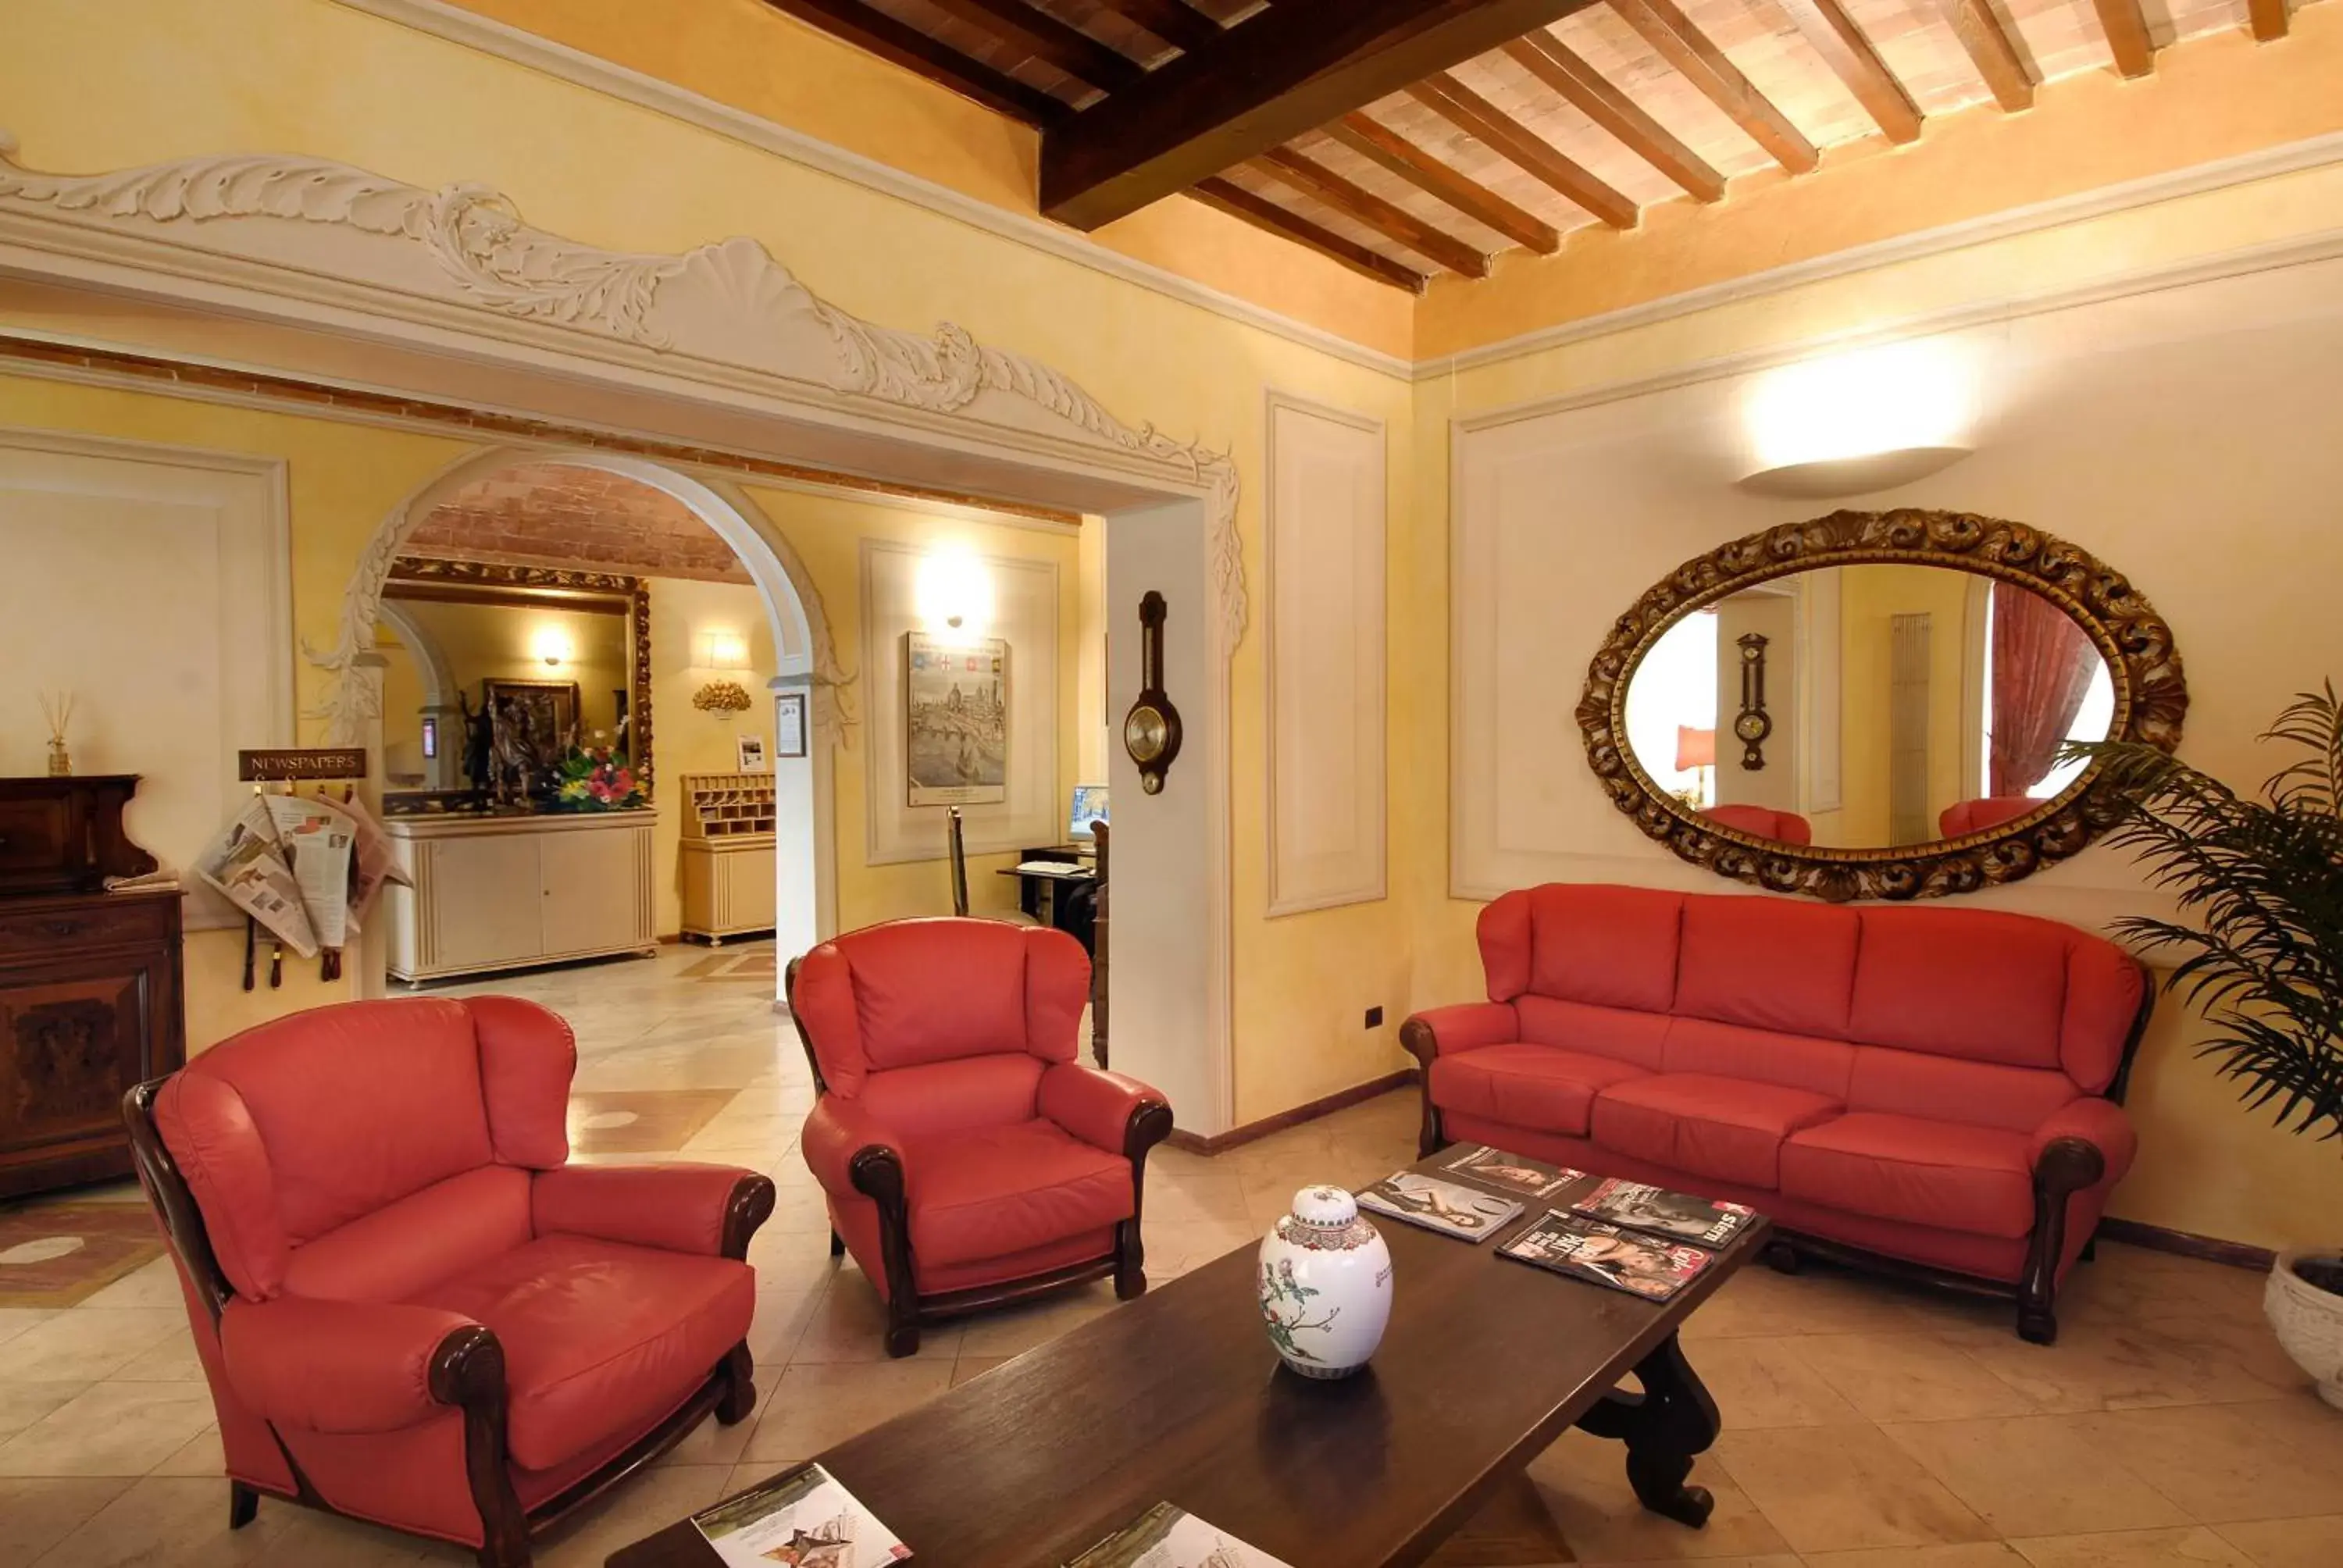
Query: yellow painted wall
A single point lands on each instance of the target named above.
(684, 740)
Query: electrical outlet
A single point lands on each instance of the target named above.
(1375, 1018)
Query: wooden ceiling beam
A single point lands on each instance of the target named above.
(1262, 212)
(1274, 75)
(1852, 59)
(1672, 37)
(1992, 52)
(1553, 62)
(1361, 204)
(1469, 112)
(2126, 26)
(1388, 149)
(1173, 21)
(870, 29)
(1070, 49)
(2268, 18)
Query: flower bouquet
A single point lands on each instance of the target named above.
(596, 779)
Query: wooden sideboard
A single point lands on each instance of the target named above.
(726, 854)
(90, 981)
(513, 892)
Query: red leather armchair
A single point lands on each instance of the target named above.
(409, 1307)
(967, 1159)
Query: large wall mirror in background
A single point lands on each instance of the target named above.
(561, 657)
(1874, 704)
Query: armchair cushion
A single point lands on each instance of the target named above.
(677, 1207)
(1948, 1175)
(600, 1337)
(1526, 1085)
(1095, 1107)
(836, 1131)
(336, 1366)
(527, 1057)
(992, 1190)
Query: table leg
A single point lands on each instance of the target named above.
(1663, 1427)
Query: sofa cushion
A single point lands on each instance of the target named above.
(1948, 1175)
(1528, 1085)
(1769, 963)
(1946, 1089)
(1972, 983)
(1618, 1032)
(1726, 1128)
(599, 1337)
(1760, 1055)
(1583, 942)
(983, 1193)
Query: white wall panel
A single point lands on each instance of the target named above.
(1325, 643)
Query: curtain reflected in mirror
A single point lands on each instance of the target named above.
(1908, 704)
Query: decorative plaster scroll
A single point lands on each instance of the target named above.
(2150, 688)
(727, 304)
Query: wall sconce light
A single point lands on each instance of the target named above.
(723, 651)
(551, 645)
(1868, 419)
(953, 593)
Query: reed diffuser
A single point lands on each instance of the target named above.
(57, 708)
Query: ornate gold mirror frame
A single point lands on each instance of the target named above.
(2151, 696)
(489, 582)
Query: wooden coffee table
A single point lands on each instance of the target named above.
(1179, 1396)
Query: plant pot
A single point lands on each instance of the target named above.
(2308, 1319)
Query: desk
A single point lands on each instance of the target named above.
(1037, 890)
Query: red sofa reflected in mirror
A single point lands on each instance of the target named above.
(968, 1160)
(410, 1308)
(1930, 1090)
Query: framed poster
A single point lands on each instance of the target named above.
(751, 749)
(955, 720)
(790, 724)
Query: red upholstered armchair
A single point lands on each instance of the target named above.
(968, 1160)
(409, 1307)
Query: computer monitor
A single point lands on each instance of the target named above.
(1088, 807)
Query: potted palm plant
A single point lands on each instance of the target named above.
(2260, 880)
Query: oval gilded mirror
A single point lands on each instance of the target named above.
(1875, 704)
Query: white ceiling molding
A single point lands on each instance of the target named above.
(578, 68)
(267, 232)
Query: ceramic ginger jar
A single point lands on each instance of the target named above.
(1325, 1284)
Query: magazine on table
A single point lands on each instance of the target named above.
(1676, 1216)
(1605, 1254)
(1515, 1172)
(1437, 1205)
(801, 1518)
(1169, 1537)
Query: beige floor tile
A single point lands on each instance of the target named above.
(1841, 1488)
(2041, 1476)
(2188, 1547)
(1770, 1560)
(178, 1522)
(110, 1429)
(816, 1406)
(40, 1512)
(1013, 1331)
(2099, 1365)
(150, 1286)
(1910, 1377)
(849, 1323)
(202, 1456)
(1583, 1481)
(2280, 1459)
(81, 1346)
(2288, 1543)
(1758, 1301)
(22, 1403)
(173, 1360)
(14, 1321)
(647, 1503)
(1760, 1383)
(1175, 1249)
(970, 1366)
(1968, 1554)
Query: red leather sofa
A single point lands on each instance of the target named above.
(1915, 1085)
(968, 1160)
(1763, 822)
(409, 1307)
(1985, 812)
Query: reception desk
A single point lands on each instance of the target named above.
(510, 892)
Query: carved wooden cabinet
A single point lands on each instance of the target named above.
(90, 982)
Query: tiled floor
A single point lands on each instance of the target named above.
(1867, 1427)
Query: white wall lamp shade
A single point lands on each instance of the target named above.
(723, 651)
(1868, 419)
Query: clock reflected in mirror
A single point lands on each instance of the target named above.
(1151, 730)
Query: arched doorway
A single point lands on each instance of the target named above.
(803, 659)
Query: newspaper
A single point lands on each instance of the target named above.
(374, 867)
(316, 838)
(243, 862)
